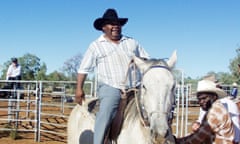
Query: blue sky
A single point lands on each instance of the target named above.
(205, 33)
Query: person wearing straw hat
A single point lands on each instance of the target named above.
(110, 54)
(221, 121)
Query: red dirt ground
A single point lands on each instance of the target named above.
(28, 137)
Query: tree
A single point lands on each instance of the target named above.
(41, 75)
(32, 69)
(221, 77)
(225, 78)
(178, 74)
(56, 76)
(234, 66)
(4, 69)
(30, 66)
(70, 67)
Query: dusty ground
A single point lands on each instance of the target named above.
(28, 138)
(24, 137)
(7, 140)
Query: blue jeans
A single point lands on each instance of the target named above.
(109, 99)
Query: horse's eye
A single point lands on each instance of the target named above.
(173, 88)
(144, 87)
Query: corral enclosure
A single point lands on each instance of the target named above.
(38, 112)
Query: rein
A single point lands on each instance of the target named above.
(156, 66)
(137, 94)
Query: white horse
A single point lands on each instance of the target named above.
(157, 96)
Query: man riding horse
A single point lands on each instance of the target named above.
(110, 54)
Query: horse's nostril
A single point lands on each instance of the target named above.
(151, 131)
(166, 135)
(153, 134)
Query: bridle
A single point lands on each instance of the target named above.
(144, 118)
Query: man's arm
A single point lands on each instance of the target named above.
(79, 94)
(18, 71)
(196, 124)
(8, 72)
(202, 134)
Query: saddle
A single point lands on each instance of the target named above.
(116, 125)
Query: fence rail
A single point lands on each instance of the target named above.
(38, 107)
(42, 107)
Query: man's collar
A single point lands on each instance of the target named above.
(102, 38)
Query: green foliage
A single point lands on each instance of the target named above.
(178, 74)
(87, 88)
(191, 81)
(70, 66)
(6, 132)
(34, 69)
(234, 67)
(41, 75)
(30, 66)
(5, 68)
(226, 78)
(57, 76)
(14, 134)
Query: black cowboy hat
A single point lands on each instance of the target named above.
(14, 59)
(110, 15)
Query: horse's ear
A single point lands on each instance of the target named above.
(172, 60)
(140, 63)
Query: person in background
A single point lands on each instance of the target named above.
(110, 54)
(196, 124)
(220, 124)
(14, 72)
(234, 91)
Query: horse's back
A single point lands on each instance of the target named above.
(80, 125)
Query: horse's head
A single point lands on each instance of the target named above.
(157, 92)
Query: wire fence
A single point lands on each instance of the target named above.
(38, 107)
(41, 108)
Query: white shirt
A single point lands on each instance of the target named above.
(13, 71)
(234, 113)
(201, 115)
(111, 59)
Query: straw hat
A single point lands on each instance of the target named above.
(210, 86)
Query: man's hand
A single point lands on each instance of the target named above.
(79, 96)
(195, 126)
